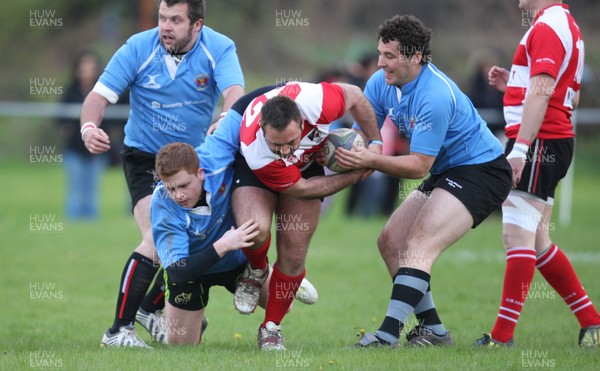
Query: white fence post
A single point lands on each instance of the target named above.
(566, 186)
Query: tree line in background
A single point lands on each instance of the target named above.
(276, 39)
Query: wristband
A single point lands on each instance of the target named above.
(85, 127)
(222, 115)
(375, 141)
(519, 150)
(524, 141)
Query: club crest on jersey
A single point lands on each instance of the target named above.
(412, 122)
(315, 136)
(222, 188)
(202, 81)
(151, 83)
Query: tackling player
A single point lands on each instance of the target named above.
(469, 175)
(193, 227)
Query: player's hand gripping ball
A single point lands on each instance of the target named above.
(342, 137)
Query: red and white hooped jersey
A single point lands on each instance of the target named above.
(553, 45)
(319, 104)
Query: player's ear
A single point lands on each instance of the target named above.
(416, 58)
(198, 25)
(200, 173)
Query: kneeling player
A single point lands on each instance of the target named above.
(194, 232)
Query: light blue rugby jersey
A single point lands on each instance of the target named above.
(437, 118)
(170, 102)
(178, 231)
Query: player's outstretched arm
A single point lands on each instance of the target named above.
(193, 266)
(230, 96)
(324, 185)
(92, 112)
(412, 166)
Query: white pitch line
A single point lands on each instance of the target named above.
(474, 256)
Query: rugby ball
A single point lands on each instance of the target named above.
(342, 137)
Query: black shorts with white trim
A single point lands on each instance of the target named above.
(481, 188)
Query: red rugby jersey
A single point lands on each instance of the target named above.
(553, 45)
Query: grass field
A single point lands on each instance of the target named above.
(59, 281)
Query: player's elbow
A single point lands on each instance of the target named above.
(421, 165)
(421, 172)
(97, 99)
(233, 93)
(94, 102)
(296, 192)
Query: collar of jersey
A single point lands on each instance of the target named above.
(539, 14)
(203, 209)
(411, 86)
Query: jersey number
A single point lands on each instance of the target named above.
(570, 95)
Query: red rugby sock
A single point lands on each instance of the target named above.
(258, 257)
(556, 268)
(282, 291)
(520, 267)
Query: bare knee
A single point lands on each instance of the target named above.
(542, 239)
(508, 237)
(264, 232)
(383, 242)
(515, 236)
(389, 252)
(147, 249)
(291, 261)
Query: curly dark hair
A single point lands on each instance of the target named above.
(410, 32)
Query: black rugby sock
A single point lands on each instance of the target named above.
(427, 315)
(155, 298)
(137, 276)
(410, 286)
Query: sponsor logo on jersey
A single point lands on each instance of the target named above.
(152, 84)
(202, 81)
(545, 60)
(155, 104)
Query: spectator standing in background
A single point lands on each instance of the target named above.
(482, 94)
(83, 169)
